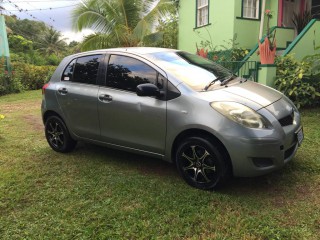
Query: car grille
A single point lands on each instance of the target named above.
(286, 121)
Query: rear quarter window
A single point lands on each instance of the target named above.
(68, 72)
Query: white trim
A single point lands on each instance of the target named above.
(262, 19)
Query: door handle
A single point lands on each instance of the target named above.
(63, 91)
(105, 98)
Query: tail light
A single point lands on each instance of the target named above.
(45, 87)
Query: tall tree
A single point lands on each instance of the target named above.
(119, 22)
(52, 42)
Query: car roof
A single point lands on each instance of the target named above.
(140, 51)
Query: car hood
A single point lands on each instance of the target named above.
(251, 94)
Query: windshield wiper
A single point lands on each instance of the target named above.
(228, 79)
(221, 79)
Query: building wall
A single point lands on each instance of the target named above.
(219, 30)
(224, 22)
(307, 42)
(247, 30)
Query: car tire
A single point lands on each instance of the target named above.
(58, 136)
(201, 164)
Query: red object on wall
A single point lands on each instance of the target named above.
(267, 53)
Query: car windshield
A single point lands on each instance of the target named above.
(195, 71)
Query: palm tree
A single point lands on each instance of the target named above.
(118, 23)
(51, 42)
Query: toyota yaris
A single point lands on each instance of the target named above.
(171, 105)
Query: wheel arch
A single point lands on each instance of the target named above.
(204, 134)
(50, 113)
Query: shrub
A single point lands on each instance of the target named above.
(292, 80)
(229, 52)
(23, 77)
(33, 77)
(9, 82)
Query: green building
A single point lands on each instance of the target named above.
(218, 21)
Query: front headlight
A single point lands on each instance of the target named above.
(241, 114)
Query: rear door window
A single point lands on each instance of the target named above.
(83, 70)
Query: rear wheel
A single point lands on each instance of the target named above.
(58, 135)
(200, 163)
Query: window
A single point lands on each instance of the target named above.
(250, 9)
(127, 73)
(68, 72)
(193, 70)
(202, 13)
(84, 71)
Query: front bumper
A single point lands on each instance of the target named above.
(269, 151)
(256, 157)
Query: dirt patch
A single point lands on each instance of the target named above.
(34, 121)
(16, 107)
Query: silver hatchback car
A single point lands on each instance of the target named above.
(172, 105)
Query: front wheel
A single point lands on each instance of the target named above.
(200, 163)
(58, 135)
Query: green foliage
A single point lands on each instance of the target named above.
(292, 80)
(169, 28)
(51, 42)
(301, 19)
(35, 43)
(230, 52)
(9, 82)
(118, 23)
(28, 29)
(33, 77)
(23, 77)
(166, 35)
(19, 43)
(53, 60)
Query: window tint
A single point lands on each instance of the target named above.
(68, 72)
(86, 69)
(127, 73)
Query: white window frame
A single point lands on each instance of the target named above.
(250, 9)
(202, 13)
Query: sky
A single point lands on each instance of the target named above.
(56, 13)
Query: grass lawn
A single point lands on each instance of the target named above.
(98, 193)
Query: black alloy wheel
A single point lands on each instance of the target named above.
(200, 163)
(58, 135)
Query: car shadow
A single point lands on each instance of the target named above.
(143, 164)
(149, 166)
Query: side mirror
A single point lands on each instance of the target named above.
(148, 89)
